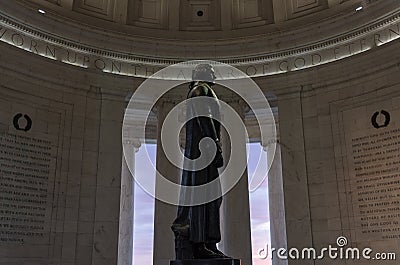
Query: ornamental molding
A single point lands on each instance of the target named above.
(33, 40)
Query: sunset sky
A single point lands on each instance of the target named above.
(144, 207)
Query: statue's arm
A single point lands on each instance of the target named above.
(206, 124)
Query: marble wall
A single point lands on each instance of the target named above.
(60, 162)
(338, 136)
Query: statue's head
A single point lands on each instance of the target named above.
(204, 72)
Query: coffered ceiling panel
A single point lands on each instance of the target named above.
(148, 13)
(200, 15)
(54, 1)
(298, 8)
(250, 13)
(97, 8)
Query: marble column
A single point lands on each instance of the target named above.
(235, 210)
(107, 185)
(164, 213)
(294, 173)
(276, 201)
(125, 241)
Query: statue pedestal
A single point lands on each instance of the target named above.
(206, 262)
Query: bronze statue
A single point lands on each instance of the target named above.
(197, 228)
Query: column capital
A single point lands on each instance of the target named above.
(267, 142)
(239, 105)
(135, 143)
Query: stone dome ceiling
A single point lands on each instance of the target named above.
(214, 20)
(238, 32)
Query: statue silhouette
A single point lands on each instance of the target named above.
(197, 228)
